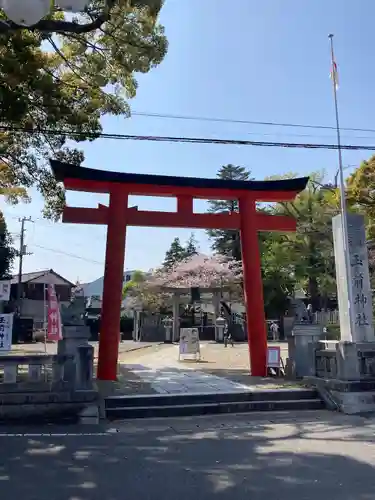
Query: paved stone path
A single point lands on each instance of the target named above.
(281, 457)
(177, 381)
(146, 368)
(219, 370)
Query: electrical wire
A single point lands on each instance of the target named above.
(245, 122)
(72, 255)
(190, 140)
(49, 225)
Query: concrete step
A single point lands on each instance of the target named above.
(152, 400)
(204, 408)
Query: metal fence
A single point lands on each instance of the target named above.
(327, 317)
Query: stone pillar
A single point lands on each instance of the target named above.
(176, 317)
(216, 303)
(168, 326)
(359, 280)
(352, 380)
(137, 324)
(219, 329)
(74, 338)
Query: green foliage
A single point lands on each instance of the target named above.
(7, 253)
(137, 279)
(361, 193)
(277, 273)
(138, 293)
(227, 242)
(177, 252)
(65, 83)
(311, 247)
(10, 187)
(191, 247)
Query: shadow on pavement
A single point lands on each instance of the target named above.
(243, 377)
(290, 460)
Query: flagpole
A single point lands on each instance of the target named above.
(343, 210)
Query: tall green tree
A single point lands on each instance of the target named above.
(361, 193)
(7, 252)
(191, 247)
(176, 253)
(59, 87)
(311, 247)
(278, 274)
(227, 242)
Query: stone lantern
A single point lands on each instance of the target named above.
(168, 325)
(219, 329)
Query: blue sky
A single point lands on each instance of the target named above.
(261, 61)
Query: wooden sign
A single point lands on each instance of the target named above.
(273, 357)
(189, 342)
(275, 365)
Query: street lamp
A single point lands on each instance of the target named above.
(338, 172)
(30, 14)
(25, 13)
(329, 186)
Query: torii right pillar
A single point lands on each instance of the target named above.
(253, 287)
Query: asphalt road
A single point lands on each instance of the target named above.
(310, 457)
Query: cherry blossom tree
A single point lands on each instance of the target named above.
(203, 271)
(200, 270)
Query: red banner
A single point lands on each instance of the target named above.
(53, 314)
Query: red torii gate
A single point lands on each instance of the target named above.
(117, 216)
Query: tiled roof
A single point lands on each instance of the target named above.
(30, 276)
(26, 277)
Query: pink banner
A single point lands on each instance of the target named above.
(53, 315)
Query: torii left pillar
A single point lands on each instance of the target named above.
(113, 283)
(253, 287)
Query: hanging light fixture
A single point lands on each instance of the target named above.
(72, 5)
(21, 14)
(26, 12)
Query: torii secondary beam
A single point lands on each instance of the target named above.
(148, 218)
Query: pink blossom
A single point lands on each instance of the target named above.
(199, 270)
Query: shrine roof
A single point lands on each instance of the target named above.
(64, 171)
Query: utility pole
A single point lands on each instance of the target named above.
(21, 254)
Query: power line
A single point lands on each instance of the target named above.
(245, 122)
(68, 254)
(190, 140)
(47, 225)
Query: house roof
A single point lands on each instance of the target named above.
(27, 277)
